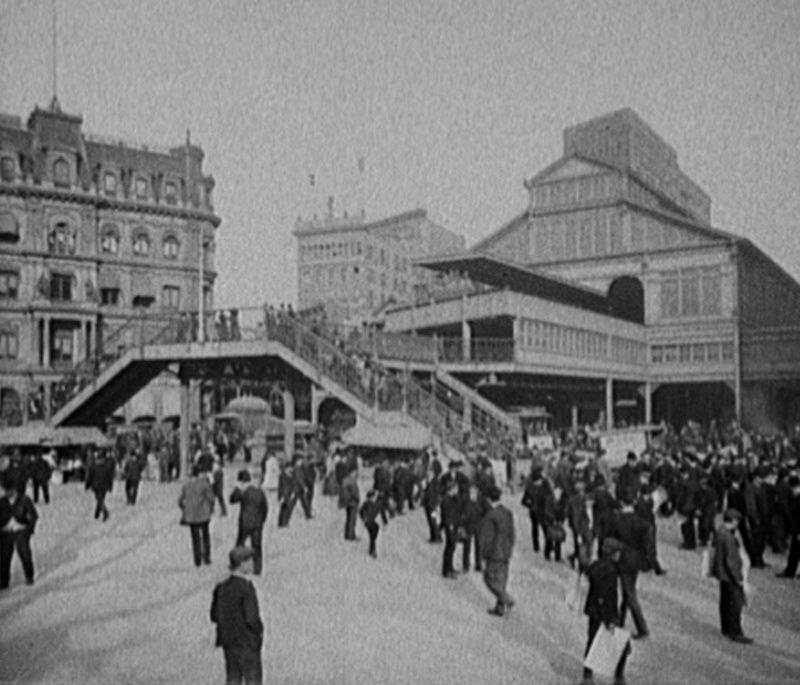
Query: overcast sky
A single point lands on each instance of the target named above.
(451, 104)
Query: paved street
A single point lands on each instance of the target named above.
(122, 602)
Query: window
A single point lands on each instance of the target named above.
(141, 245)
(109, 241)
(9, 285)
(61, 349)
(171, 247)
(109, 297)
(670, 303)
(9, 344)
(61, 287)
(141, 188)
(7, 169)
(110, 184)
(171, 297)
(171, 193)
(61, 239)
(61, 172)
(690, 293)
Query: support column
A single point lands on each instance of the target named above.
(648, 403)
(185, 425)
(574, 418)
(466, 341)
(48, 394)
(609, 403)
(46, 343)
(288, 423)
(516, 343)
(467, 416)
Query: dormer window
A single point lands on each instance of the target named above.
(141, 188)
(61, 173)
(109, 240)
(171, 193)
(141, 245)
(7, 169)
(110, 184)
(171, 247)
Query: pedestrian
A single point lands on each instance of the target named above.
(726, 567)
(601, 602)
(42, 473)
(637, 556)
(475, 507)
(287, 495)
(790, 571)
(431, 499)
(369, 513)
(240, 632)
(100, 480)
(496, 542)
(533, 499)
(349, 499)
(451, 519)
(218, 485)
(132, 471)
(252, 515)
(18, 517)
(197, 504)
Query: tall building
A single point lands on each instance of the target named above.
(612, 293)
(353, 267)
(93, 231)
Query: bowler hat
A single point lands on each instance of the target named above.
(243, 476)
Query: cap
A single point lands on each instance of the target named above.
(239, 555)
(455, 463)
(243, 476)
(732, 515)
(493, 493)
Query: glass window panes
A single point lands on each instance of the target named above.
(110, 184)
(171, 247)
(61, 172)
(7, 169)
(141, 245)
(171, 297)
(141, 188)
(109, 241)
(9, 285)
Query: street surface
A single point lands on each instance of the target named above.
(121, 602)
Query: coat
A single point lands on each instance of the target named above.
(633, 532)
(496, 534)
(726, 564)
(349, 495)
(100, 477)
(234, 608)
(254, 508)
(196, 501)
(601, 601)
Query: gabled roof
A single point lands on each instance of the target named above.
(590, 166)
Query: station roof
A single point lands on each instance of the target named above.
(492, 271)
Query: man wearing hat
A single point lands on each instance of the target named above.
(601, 602)
(726, 566)
(252, 515)
(240, 632)
(496, 543)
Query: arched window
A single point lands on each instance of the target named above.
(61, 239)
(8, 169)
(110, 184)
(171, 247)
(141, 188)
(141, 244)
(61, 172)
(109, 240)
(171, 193)
(626, 299)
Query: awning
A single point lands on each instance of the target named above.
(108, 280)
(37, 433)
(391, 437)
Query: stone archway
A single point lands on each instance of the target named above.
(626, 298)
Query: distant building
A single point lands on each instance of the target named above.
(612, 295)
(93, 231)
(353, 267)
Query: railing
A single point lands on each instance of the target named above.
(480, 350)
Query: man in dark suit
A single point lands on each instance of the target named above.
(536, 491)
(18, 519)
(240, 632)
(252, 515)
(637, 555)
(726, 567)
(452, 511)
(496, 543)
(794, 527)
(100, 480)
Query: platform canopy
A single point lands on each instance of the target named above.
(499, 273)
(390, 437)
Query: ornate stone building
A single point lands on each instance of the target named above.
(353, 267)
(93, 232)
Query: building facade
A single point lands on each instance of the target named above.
(353, 267)
(94, 232)
(712, 325)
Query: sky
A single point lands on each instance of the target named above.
(450, 104)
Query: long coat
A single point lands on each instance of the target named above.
(234, 608)
(496, 534)
(196, 501)
(726, 564)
(254, 507)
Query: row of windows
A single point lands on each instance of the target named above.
(575, 191)
(692, 352)
(61, 178)
(549, 337)
(337, 250)
(62, 240)
(691, 292)
(170, 298)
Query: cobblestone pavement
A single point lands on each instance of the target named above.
(121, 602)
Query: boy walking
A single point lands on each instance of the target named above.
(369, 513)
